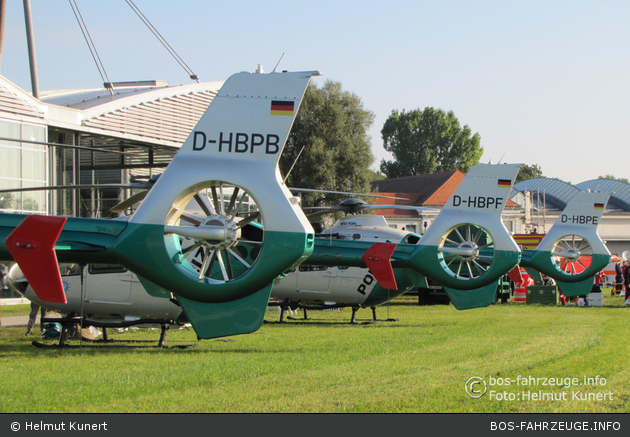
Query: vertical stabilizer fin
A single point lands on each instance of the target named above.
(467, 246)
(241, 316)
(468, 299)
(228, 167)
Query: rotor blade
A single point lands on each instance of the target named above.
(71, 146)
(218, 206)
(248, 220)
(190, 218)
(222, 266)
(477, 235)
(326, 208)
(206, 261)
(251, 242)
(448, 240)
(228, 264)
(128, 203)
(307, 190)
(138, 185)
(240, 202)
(239, 259)
(417, 209)
(207, 208)
(230, 209)
(190, 249)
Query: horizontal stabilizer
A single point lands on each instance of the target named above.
(377, 259)
(32, 246)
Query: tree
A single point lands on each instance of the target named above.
(609, 176)
(329, 144)
(528, 172)
(428, 141)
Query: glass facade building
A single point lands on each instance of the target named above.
(90, 137)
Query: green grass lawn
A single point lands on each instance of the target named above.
(418, 364)
(15, 310)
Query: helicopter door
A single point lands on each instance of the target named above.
(313, 278)
(108, 283)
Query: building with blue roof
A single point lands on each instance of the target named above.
(543, 199)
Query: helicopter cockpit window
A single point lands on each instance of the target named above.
(411, 239)
(313, 268)
(70, 269)
(97, 269)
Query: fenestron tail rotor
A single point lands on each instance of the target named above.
(572, 254)
(466, 251)
(210, 239)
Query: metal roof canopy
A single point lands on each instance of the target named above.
(557, 193)
(620, 197)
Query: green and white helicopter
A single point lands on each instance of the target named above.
(235, 149)
(572, 252)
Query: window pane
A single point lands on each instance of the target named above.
(9, 130)
(33, 200)
(34, 165)
(33, 133)
(10, 162)
(10, 201)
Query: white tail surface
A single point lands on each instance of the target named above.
(580, 217)
(480, 200)
(238, 141)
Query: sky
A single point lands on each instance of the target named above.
(542, 82)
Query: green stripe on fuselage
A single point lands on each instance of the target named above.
(142, 250)
(541, 261)
(380, 295)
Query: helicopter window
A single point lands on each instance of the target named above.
(342, 268)
(412, 239)
(97, 269)
(69, 269)
(313, 268)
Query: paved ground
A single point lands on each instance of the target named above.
(16, 321)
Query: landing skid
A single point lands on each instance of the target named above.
(382, 320)
(67, 322)
(285, 305)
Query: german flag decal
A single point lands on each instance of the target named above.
(505, 183)
(599, 206)
(282, 107)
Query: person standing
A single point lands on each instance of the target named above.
(618, 276)
(32, 317)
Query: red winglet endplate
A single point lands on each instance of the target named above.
(32, 245)
(515, 275)
(377, 258)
